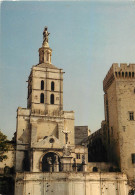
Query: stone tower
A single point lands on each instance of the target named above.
(45, 83)
(119, 98)
(43, 128)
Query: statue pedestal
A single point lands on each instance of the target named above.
(74, 167)
(66, 163)
(50, 168)
(84, 167)
(56, 167)
(45, 44)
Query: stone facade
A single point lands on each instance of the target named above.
(45, 135)
(116, 137)
(53, 156)
(71, 183)
(119, 88)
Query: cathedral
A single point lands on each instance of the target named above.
(52, 156)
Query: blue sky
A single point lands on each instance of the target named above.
(86, 38)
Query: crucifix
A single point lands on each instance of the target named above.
(66, 135)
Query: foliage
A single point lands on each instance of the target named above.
(7, 185)
(132, 192)
(3, 146)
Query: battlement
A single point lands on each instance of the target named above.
(124, 71)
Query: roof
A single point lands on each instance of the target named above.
(45, 65)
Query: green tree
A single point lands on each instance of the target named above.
(4, 146)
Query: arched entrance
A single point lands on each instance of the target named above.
(50, 162)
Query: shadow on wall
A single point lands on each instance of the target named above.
(97, 151)
(7, 181)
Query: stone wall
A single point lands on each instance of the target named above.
(119, 88)
(47, 74)
(71, 184)
(101, 167)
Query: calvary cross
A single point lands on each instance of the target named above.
(66, 135)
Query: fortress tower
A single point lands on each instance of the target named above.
(119, 98)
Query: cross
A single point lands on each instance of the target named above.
(66, 135)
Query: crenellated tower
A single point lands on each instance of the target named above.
(119, 98)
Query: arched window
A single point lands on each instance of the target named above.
(52, 99)
(119, 74)
(41, 98)
(42, 85)
(111, 169)
(95, 169)
(52, 86)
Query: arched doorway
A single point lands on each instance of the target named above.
(51, 162)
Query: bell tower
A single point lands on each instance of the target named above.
(44, 129)
(45, 83)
